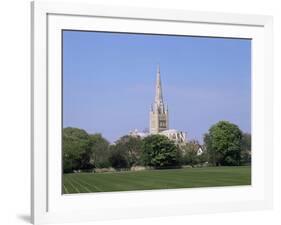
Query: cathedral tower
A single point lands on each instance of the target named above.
(159, 120)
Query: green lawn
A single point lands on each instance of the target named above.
(156, 179)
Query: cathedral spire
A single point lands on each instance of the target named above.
(159, 120)
(158, 95)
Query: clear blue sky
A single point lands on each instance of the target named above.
(109, 79)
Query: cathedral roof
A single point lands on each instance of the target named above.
(170, 131)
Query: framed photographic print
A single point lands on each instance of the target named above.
(146, 112)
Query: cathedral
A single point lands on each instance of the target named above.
(159, 117)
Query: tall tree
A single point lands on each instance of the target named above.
(224, 142)
(160, 152)
(190, 153)
(118, 158)
(76, 150)
(99, 151)
(246, 156)
(132, 147)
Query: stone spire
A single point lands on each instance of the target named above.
(158, 95)
(159, 120)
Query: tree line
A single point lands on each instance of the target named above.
(224, 145)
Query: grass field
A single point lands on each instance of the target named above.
(156, 179)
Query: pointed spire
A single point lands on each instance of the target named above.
(159, 120)
(158, 95)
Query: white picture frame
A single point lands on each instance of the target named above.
(47, 202)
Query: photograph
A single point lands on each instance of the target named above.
(148, 111)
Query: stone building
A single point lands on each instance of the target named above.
(159, 117)
(178, 136)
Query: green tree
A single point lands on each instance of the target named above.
(224, 142)
(118, 158)
(160, 152)
(190, 153)
(99, 151)
(203, 158)
(131, 147)
(76, 150)
(246, 149)
(210, 152)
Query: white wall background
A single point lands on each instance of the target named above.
(15, 109)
